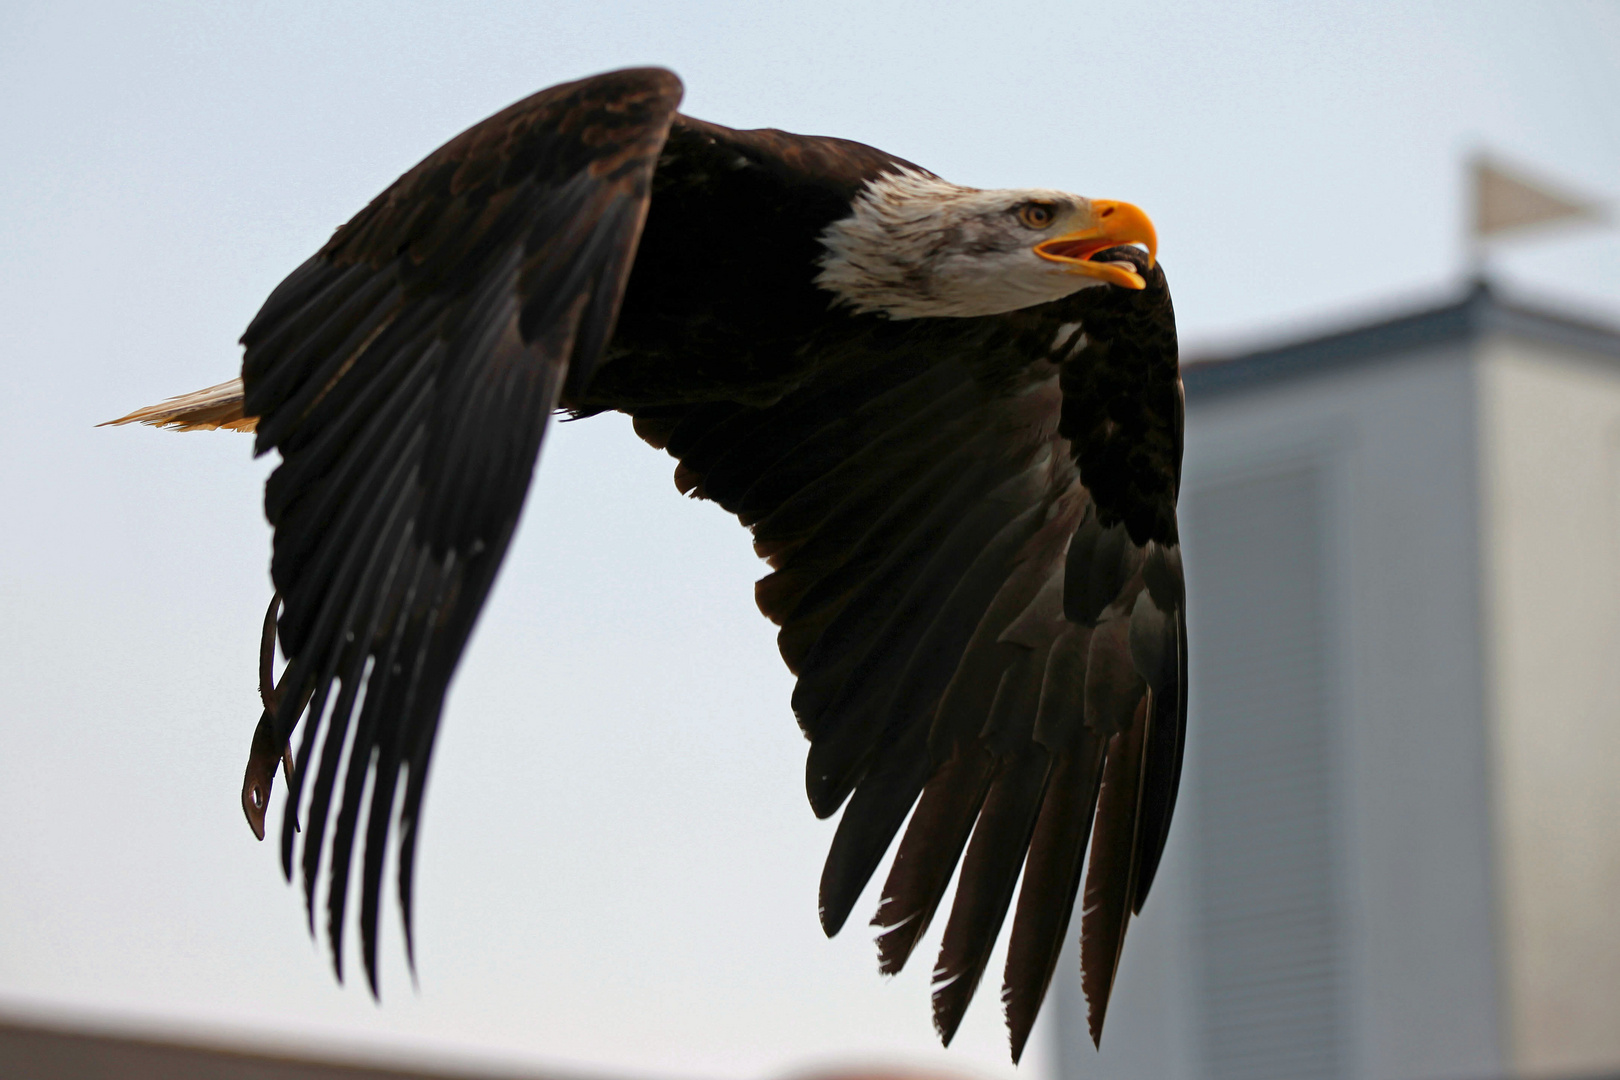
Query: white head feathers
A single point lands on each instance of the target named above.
(918, 246)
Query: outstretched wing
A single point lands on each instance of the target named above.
(977, 575)
(406, 374)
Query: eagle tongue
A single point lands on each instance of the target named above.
(1081, 250)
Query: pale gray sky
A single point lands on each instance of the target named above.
(618, 867)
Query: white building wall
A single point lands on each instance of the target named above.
(1551, 459)
(1389, 449)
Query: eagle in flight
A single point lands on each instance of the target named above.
(950, 417)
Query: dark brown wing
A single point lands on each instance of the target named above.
(406, 374)
(977, 576)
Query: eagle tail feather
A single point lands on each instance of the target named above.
(215, 408)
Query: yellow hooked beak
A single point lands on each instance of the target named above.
(1112, 224)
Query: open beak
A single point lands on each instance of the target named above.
(1113, 224)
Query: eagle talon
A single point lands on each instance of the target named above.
(260, 776)
(269, 692)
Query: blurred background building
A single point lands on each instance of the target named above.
(1397, 850)
(35, 1051)
(68, 1051)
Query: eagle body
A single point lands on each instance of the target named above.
(950, 418)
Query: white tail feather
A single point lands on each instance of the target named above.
(205, 410)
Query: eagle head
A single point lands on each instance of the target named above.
(915, 246)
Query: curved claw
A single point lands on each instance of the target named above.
(268, 692)
(261, 774)
(267, 749)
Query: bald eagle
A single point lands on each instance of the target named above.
(950, 417)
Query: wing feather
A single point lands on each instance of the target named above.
(1115, 863)
(406, 374)
(900, 600)
(908, 731)
(1051, 879)
(927, 856)
(977, 584)
(990, 871)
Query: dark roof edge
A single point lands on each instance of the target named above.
(1479, 311)
(1585, 332)
(63, 1043)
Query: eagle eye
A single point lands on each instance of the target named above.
(1037, 215)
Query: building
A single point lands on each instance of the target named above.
(82, 1049)
(1396, 853)
(74, 1050)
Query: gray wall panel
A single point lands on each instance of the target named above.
(1267, 922)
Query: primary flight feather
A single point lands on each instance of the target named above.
(951, 418)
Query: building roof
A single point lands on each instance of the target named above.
(31, 1051)
(1481, 311)
(70, 1050)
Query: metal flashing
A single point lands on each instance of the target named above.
(1481, 311)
